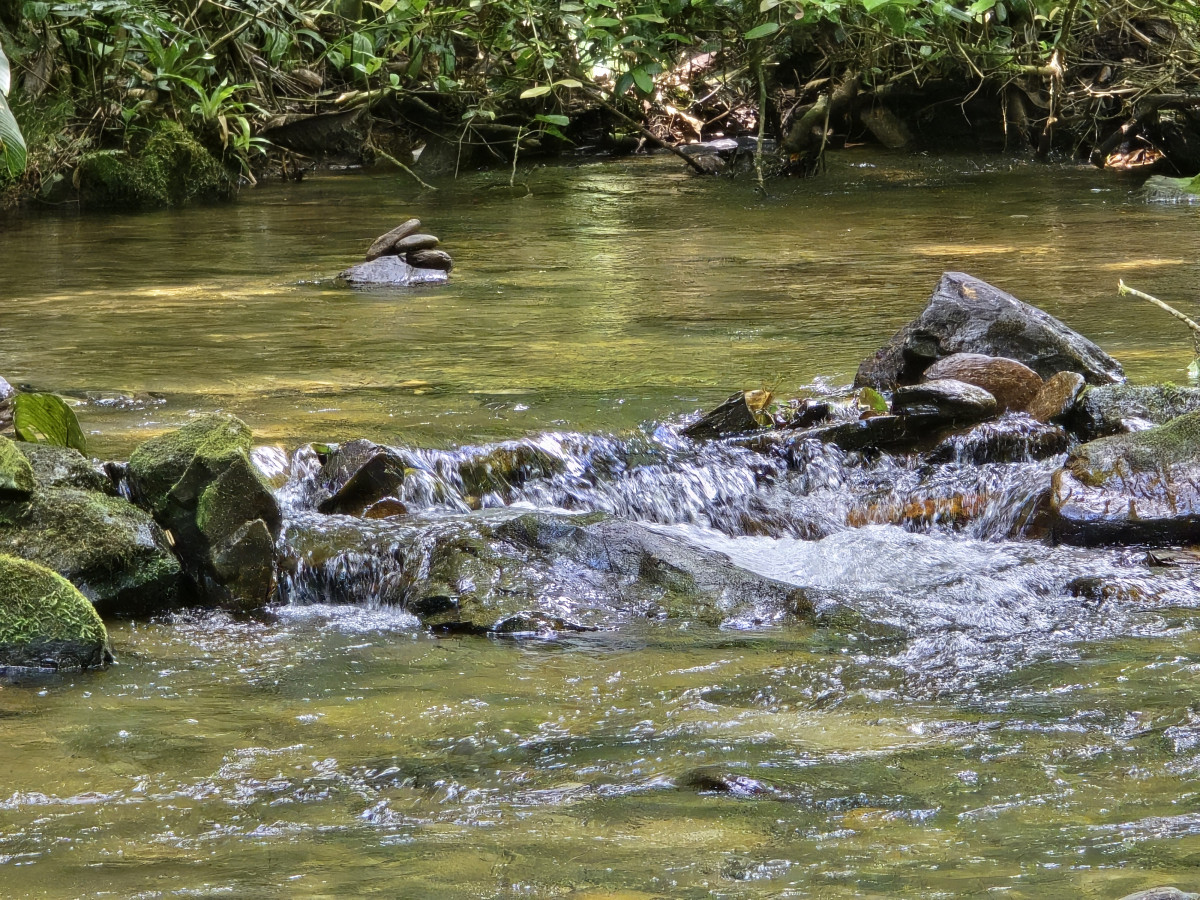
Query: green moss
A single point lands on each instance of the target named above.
(16, 474)
(62, 467)
(157, 465)
(172, 169)
(39, 605)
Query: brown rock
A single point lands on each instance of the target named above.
(384, 243)
(1013, 384)
(430, 259)
(1057, 397)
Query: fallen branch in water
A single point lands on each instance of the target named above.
(1123, 288)
(396, 162)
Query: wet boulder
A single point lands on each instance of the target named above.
(391, 271)
(359, 474)
(430, 260)
(1013, 384)
(1057, 398)
(945, 400)
(1132, 488)
(967, 315)
(200, 485)
(45, 623)
(737, 415)
(72, 523)
(1116, 409)
(1162, 893)
(7, 393)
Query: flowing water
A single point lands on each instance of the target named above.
(959, 724)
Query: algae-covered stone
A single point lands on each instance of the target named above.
(16, 475)
(1132, 488)
(63, 467)
(46, 623)
(200, 485)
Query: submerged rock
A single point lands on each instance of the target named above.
(1013, 438)
(425, 260)
(200, 485)
(1057, 397)
(1013, 384)
(966, 315)
(1162, 893)
(533, 573)
(1115, 409)
(392, 271)
(1132, 488)
(45, 623)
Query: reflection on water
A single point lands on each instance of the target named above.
(972, 730)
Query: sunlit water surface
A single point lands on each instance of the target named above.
(985, 733)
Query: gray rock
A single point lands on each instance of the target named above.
(1013, 438)
(966, 315)
(359, 474)
(391, 271)
(1131, 488)
(1115, 409)
(947, 399)
(414, 242)
(734, 416)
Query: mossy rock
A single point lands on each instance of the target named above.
(209, 441)
(1132, 488)
(173, 168)
(200, 485)
(16, 474)
(45, 622)
(1103, 411)
(63, 467)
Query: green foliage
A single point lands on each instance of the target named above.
(46, 419)
(12, 143)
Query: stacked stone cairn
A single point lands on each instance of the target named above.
(418, 250)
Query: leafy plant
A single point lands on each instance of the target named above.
(46, 419)
(12, 143)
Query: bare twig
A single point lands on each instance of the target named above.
(1123, 288)
(650, 135)
(395, 162)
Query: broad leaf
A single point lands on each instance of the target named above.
(5, 74)
(535, 91)
(762, 31)
(12, 144)
(643, 80)
(46, 419)
(554, 120)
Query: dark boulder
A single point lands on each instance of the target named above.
(1057, 398)
(1013, 384)
(736, 415)
(966, 315)
(1013, 438)
(200, 485)
(45, 623)
(953, 402)
(414, 242)
(359, 474)
(1132, 488)
(392, 271)
(1116, 409)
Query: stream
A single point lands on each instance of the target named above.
(958, 723)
